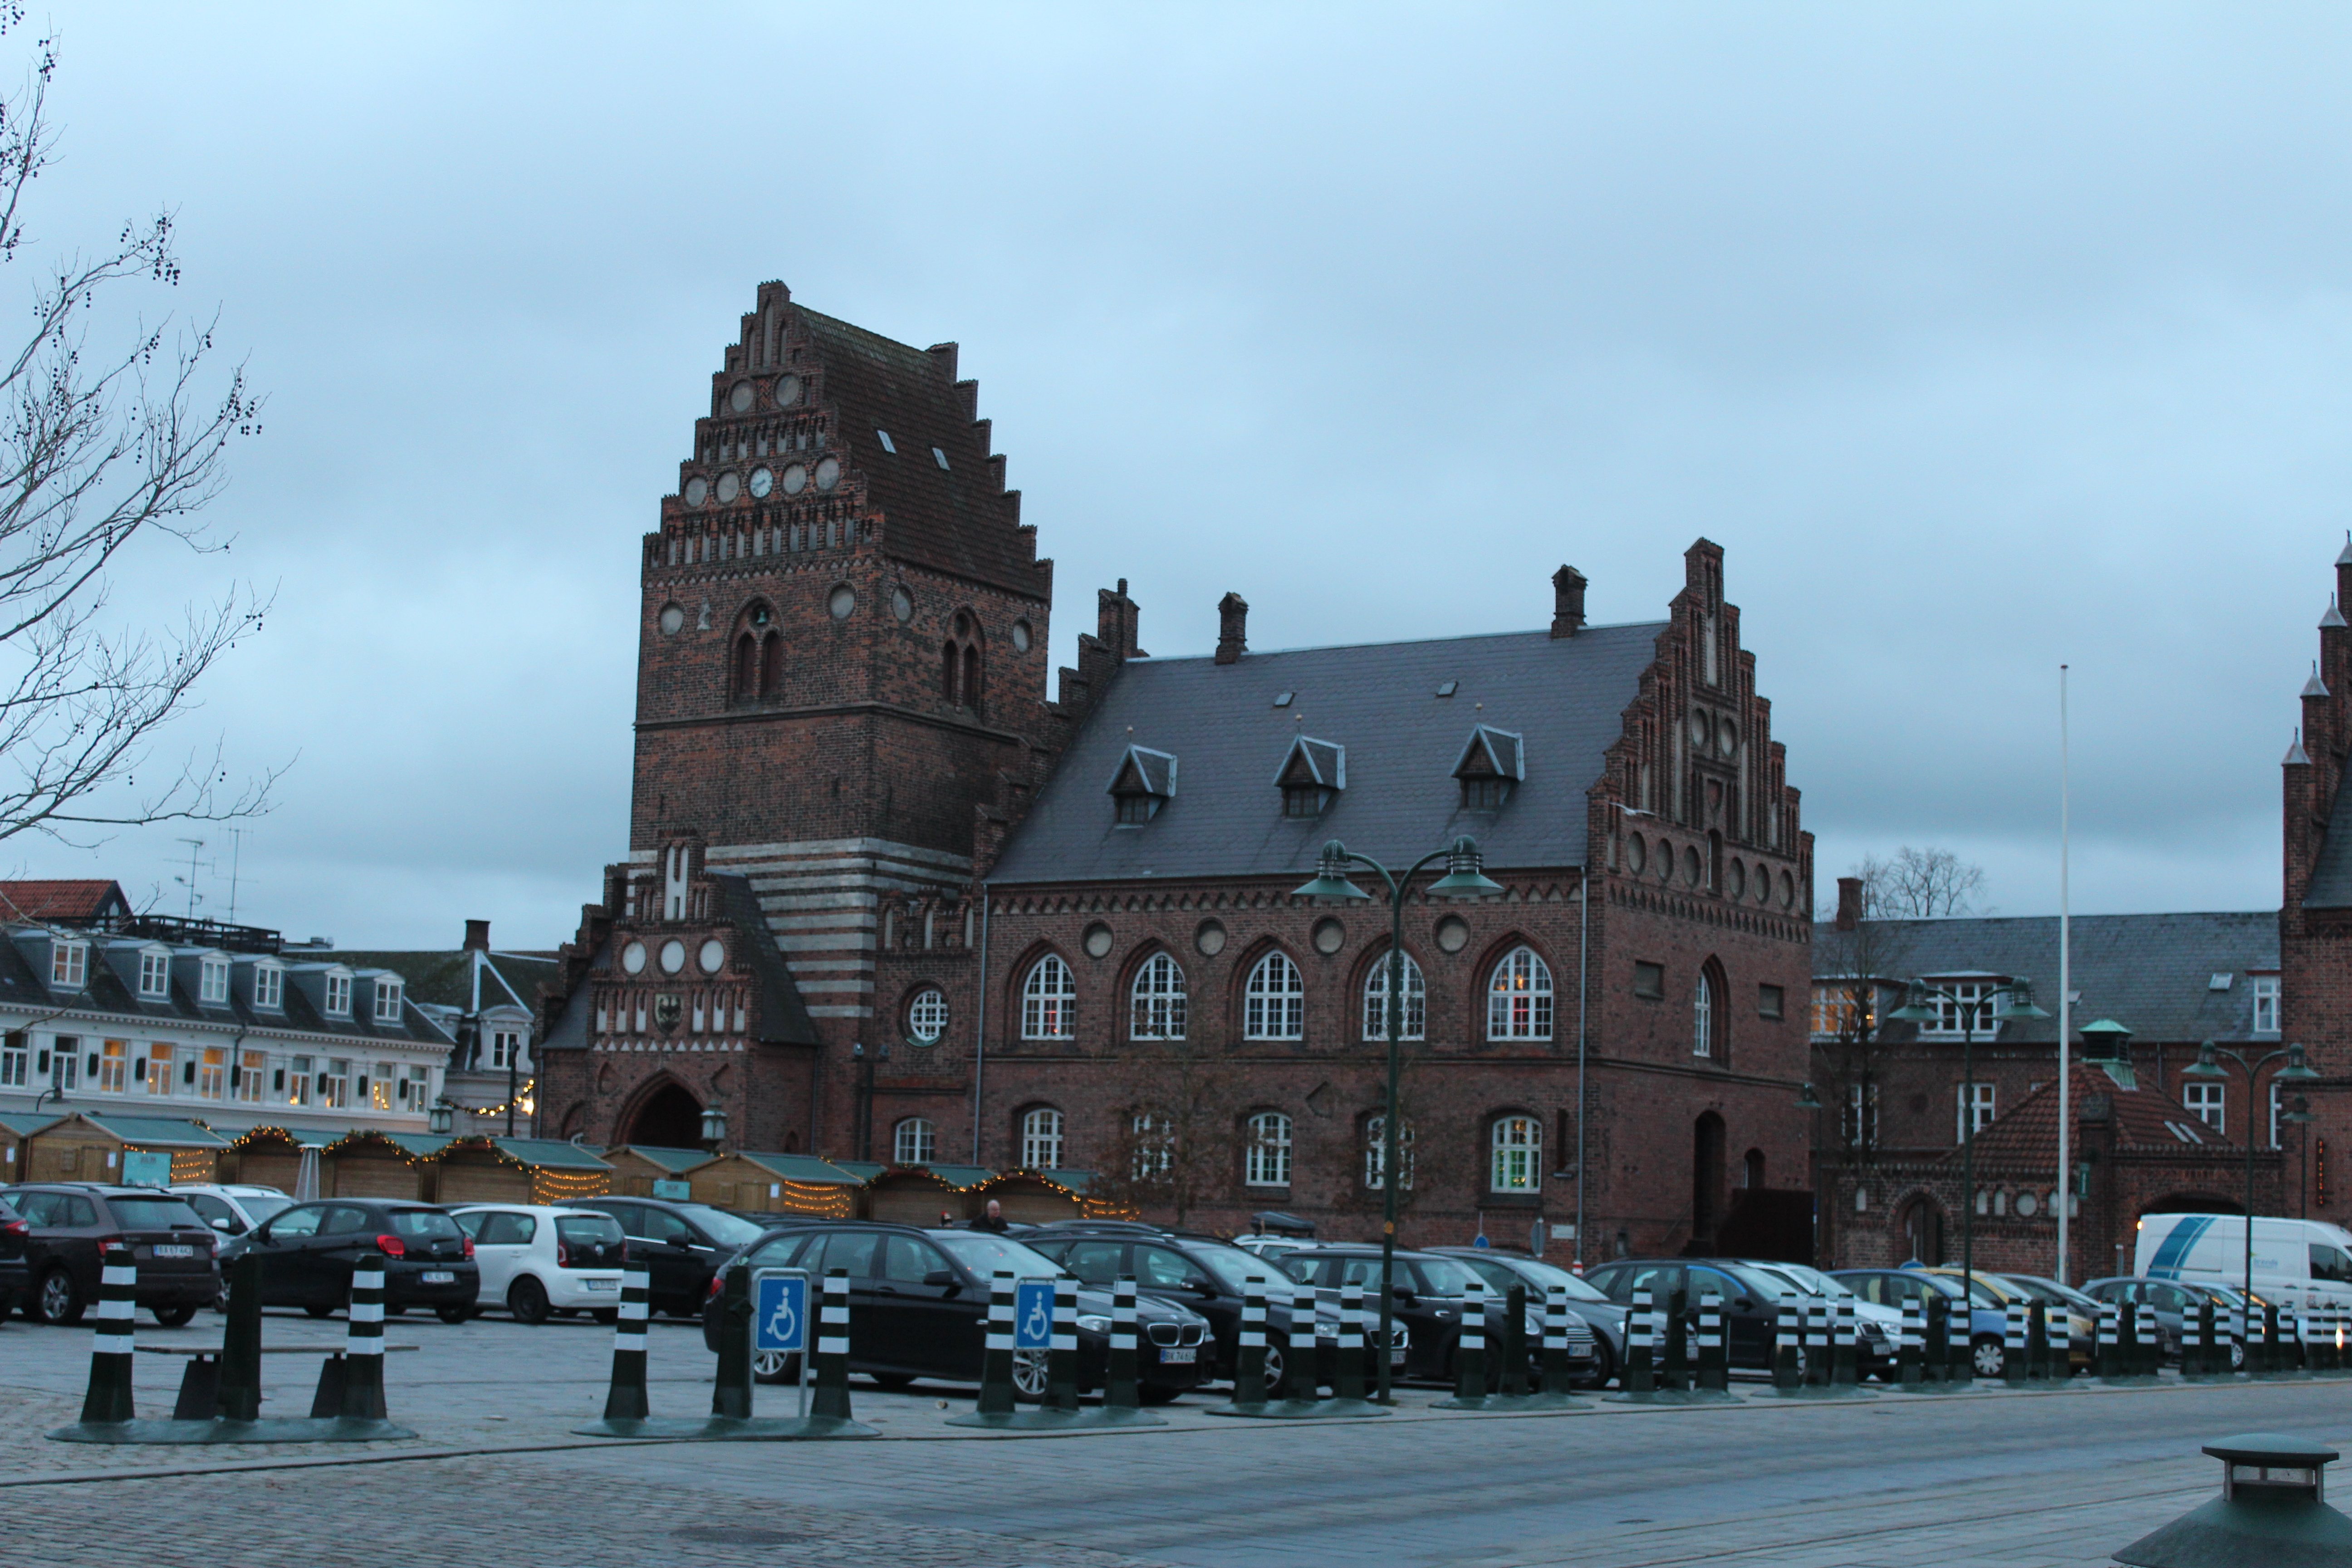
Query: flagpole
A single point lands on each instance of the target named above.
(2065, 1002)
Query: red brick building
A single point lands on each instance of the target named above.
(884, 901)
(2315, 909)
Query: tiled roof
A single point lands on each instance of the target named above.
(1565, 697)
(2152, 974)
(2144, 1121)
(442, 978)
(60, 900)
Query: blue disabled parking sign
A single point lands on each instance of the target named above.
(780, 1312)
(1033, 1315)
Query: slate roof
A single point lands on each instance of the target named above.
(439, 978)
(1565, 695)
(781, 1013)
(80, 899)
(958, 518)
(2152, 974)
(2331, 873)
(2144, 1121)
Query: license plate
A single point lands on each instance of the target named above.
(170, 1249)
(1179, 1357)
(1396, 1358)
(440, 1276)
(604, 1284)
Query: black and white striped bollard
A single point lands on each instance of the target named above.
(1788, 1345)
(625, 1399)
(1249, 1356)
(1908, 1372)
(1302, 1369)
(1470, 1347)
(110, 1350)
(2013, 1341)
(831, 1395)
(1848, 1364)
(1119, 1383)
(1640, 1371)
(1348, 1377)
(996, 1360)
(1713, 1368)
(1819, 1364)
(1555, 1342)
(364, 1344)
(1061, 1361)
(2103, 1357)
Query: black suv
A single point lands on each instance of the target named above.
(919, 1308)
(1604, 1318)
(1431, 1291)
(1752, 1294)
(68, 1226)
(16, 1275)
(307, 1253)
(681, 1246)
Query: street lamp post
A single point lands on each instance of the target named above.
(1465, 879)
(2209, 1065)
(1920, 1008)
(714, 1128)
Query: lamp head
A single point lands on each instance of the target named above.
(439, 1119)
(714, 1125)
(2017, 1002)
(2298, 1109)
(1331, 881)
(1806, 1099)
(1466, 876)
(2206, 1065)
(2297, 1070)
(1918, 1005)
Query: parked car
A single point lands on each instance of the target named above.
(1751, 1297)
(1891, 1288)
(919, 1309)
(16, 1273)
(1200, 1273)
(2082, 1328)
(1502, 1269)
(1431, 1293)
(1273, 1249)
(681, 1246)
(70, 1224)
(2173, 1299)
(537, 1259)
(231, 1209)
(308, 1251)
(1813, 1282)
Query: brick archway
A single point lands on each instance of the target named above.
(667, 1118)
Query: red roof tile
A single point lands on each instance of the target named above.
(61, 900)
(2142, 1119)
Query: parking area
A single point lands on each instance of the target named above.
(2014, 1478)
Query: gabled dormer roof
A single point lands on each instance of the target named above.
(1492, 753)
(1311, 763)
(1142, 771)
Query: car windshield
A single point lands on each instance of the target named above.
(984, 1254)
(587, 1227)
(423, 1222)
(1233, 1265)
(727, 1229)
(259, 1208)
(1540, 1276)
(2049, 1293)
(1809, 1279)
(1444, 1277)
(154, 1213)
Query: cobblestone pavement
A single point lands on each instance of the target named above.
(2015, 1478)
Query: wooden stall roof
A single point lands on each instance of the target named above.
(26, 1126)
(157, 1131)
(962, 1178)
(804, 1168)
(671, 1160)
(548, 1155)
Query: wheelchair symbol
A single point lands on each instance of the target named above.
(1033, 1323)
(781, 1320)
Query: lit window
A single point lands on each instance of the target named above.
(298, 1081)
(1414, 1024)
(268, 985)
(1518, 1164)
(1049, 1001)
(335, 1084)
(212, 982)
(2204, 1102)
(212, 1072)
(252, 1078)
(1376, 1154)
(158, 1069)
(1518, 1002)
(1275, 1005)
(1041, 1140)
(927, 1018)
(113, 1066)
(155, 974)
(380, 1087)
(1155, 1148)
(2266, 1004)
(70, 965)
(1983, 1117)
(1968, 1009)
(387, 1002)
(914, 1141)
(1158, 996)
(1703, 1017)
(1267, 1161)
(339, 996)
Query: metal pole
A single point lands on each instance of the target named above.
(1968, 1168)
(2251, 1071)
(1583, 973)
(2066, 998)
(980, 1028)
(1389, 1137)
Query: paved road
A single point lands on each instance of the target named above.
(1996, 1478)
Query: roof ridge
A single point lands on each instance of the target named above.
(1531, 632)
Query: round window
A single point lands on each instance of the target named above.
(1452, 936)
(762, 482)
(739, 399)
(1209, 938)
(673, 956)
(927, 1016)
(633, 958)
(2028, 1205)
(729, 487)
(842, 603)
(788, 391)
(828, 473)
(1736, 879)
(713, 956)
(1637, 854)
(1098, 940)
(795, 479)
(697, 491)
(1331, 936)
(1021, 636)
(901, 604)
(673, 619)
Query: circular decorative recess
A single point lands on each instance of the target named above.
(1788, 890)
(828, 473)
(633, 958)
(1637, 854)
(1736, 879)
(697, 491)
(1763, 884)
(1331, 936)
(902, 604)
(1690, 864)
(1665, 861)
(1726, 737)
(1452, 936)
(673, 956)
(1698, 719)
(1209, 938)
(2028, 1205)
(795, 479)
(927, 1016)
(843, 602)
(788, 391)
(1021, 636)
(1098, 940)
(729, 486)
(762, 482)
(739, 398)
(713, 956)
(673, 619)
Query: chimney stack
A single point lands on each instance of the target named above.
(1233, 622)
(1567, 602)
(1116, 622)
(1849, 913)
(477, 936)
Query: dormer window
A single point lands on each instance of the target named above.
(339, 996)
(387, 1002)
(1491, 763)
(70, 965)
(1311, 777)
(1145, 781)
(212, 982)
(155, 974)
(268, 986)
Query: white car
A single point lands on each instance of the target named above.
(231, 1208)
(538, 1260)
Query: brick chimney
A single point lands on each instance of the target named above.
(477, 936)
(1116, 622)
(1849, 913)
(1232, 622)
(1567, 602)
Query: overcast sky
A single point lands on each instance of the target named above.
(1982, 338)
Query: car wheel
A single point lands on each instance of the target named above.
(319, 1312)
(1604, 1364)
(773, 1366)
(453, 1316)
(58, 1300)
(174, 1316)
(1274, 1364)
(896, 1382)
(2237, 1351)
(1985, 1357)
(1030, 1375)
(527, 1300)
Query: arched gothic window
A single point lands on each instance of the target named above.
(1049, 1001)
(1158, 997)
(1414, 1024)
(1267, 1163)
(758, 656)
(1517, 1147)
(1041, 1140)
(1274, 1007)
(1703, 1016)
(1376, 1153)
(1518, 1000)
(914, 1141)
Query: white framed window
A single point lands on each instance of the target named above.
(914, 1141)
(379, 1082)
(268, 985)
(16, 1062)
(1983, 1116)
(1517, 1144)
(65, 1061)
(1273, 1006)
(154, 973)
(1041, 1139)
(212, 1072)
(2266, 1004)
(1703, 1016)
(339, 996)
(415, 1093)
(335, 1084)
(1154, 1146)
(1376, 1154)
(252, 1073)
(1858, 1124)
(161, 1062)
(2204, 1101)
(212, 982)
(70, 965)
(1157, 1000)
(1518, 999)
(1267, 1163)
(506, 1048)
(1966, 1010)
(1049, 1001)
(1414, 1023)
(298, 1079)
(2278, 1106)
(113, 1066)
(927, 1016)
(387, 1003)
